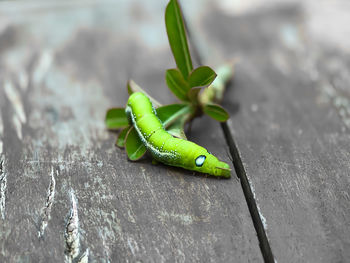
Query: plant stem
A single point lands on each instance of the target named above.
(215, 92)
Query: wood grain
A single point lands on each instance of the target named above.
(290, 106)
(67, 193)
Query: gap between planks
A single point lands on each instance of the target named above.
(264, 244)
(248, 194)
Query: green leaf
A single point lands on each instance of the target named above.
(177, 38)
(176, 129)
(170, 113)
(215, 92)
(216, 112)
(177, 83)
(134, 147)
(121, 137)
(133, 87)
(201, 76)
(116, 119)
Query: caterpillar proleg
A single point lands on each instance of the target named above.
(166, 148)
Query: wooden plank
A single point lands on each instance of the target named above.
(65, 189)
(290, 108)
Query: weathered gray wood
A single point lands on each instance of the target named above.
(65, 188)
(291, 124)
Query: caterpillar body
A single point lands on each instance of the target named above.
(166, 148)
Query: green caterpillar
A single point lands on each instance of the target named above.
(166, 148)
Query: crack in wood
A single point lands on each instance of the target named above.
(249, 196)
(84, 258)
(72, 235)
(14, 97)
(19, 116)
(46, 211)
(258, 220)
(3, 186)
(42, 67)
(1, 135)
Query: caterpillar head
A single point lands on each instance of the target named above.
(208, 163)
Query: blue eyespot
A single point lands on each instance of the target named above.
(200, 160)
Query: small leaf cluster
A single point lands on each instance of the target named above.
(198, 90)
(184, 81)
